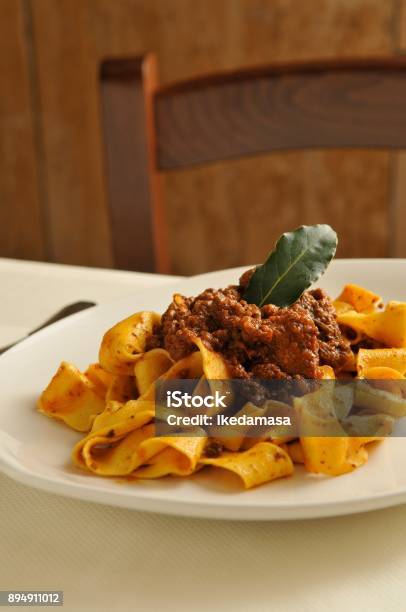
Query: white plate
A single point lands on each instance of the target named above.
(36, 450)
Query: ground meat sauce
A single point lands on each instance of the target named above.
(265, 343)
(213, 449)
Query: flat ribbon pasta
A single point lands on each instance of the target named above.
(337, 453)
(358, 298)
(124, 343)
(261, 463)
(390, 358)
(115, 444)
(177, 456)
(387, 326)
(72, 397)
(113, 403)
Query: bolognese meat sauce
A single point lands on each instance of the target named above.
(268, 342)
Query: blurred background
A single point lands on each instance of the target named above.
(53, 203)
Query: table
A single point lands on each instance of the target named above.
(107, 558)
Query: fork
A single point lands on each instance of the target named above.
(66, 311)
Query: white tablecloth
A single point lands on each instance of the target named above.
(106, 558)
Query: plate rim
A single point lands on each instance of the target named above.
(203, 509)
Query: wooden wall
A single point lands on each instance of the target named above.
(22, 231)
(52, 181)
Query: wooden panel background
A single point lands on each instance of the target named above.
(22, 232)
(223, 214)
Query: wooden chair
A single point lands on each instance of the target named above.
(150, 129)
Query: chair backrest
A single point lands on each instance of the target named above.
(150, 129)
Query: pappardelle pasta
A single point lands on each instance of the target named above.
(220, 336)
(113, 401)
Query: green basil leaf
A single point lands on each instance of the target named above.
(298, 260)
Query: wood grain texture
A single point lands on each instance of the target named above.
(398, 160)
(207, 208)
(127, 89)
(298, 186)
(21, 226)
(73, 148)
(284, 107)
(400, 31)
(398, 204)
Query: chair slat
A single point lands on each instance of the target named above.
(318, 105)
